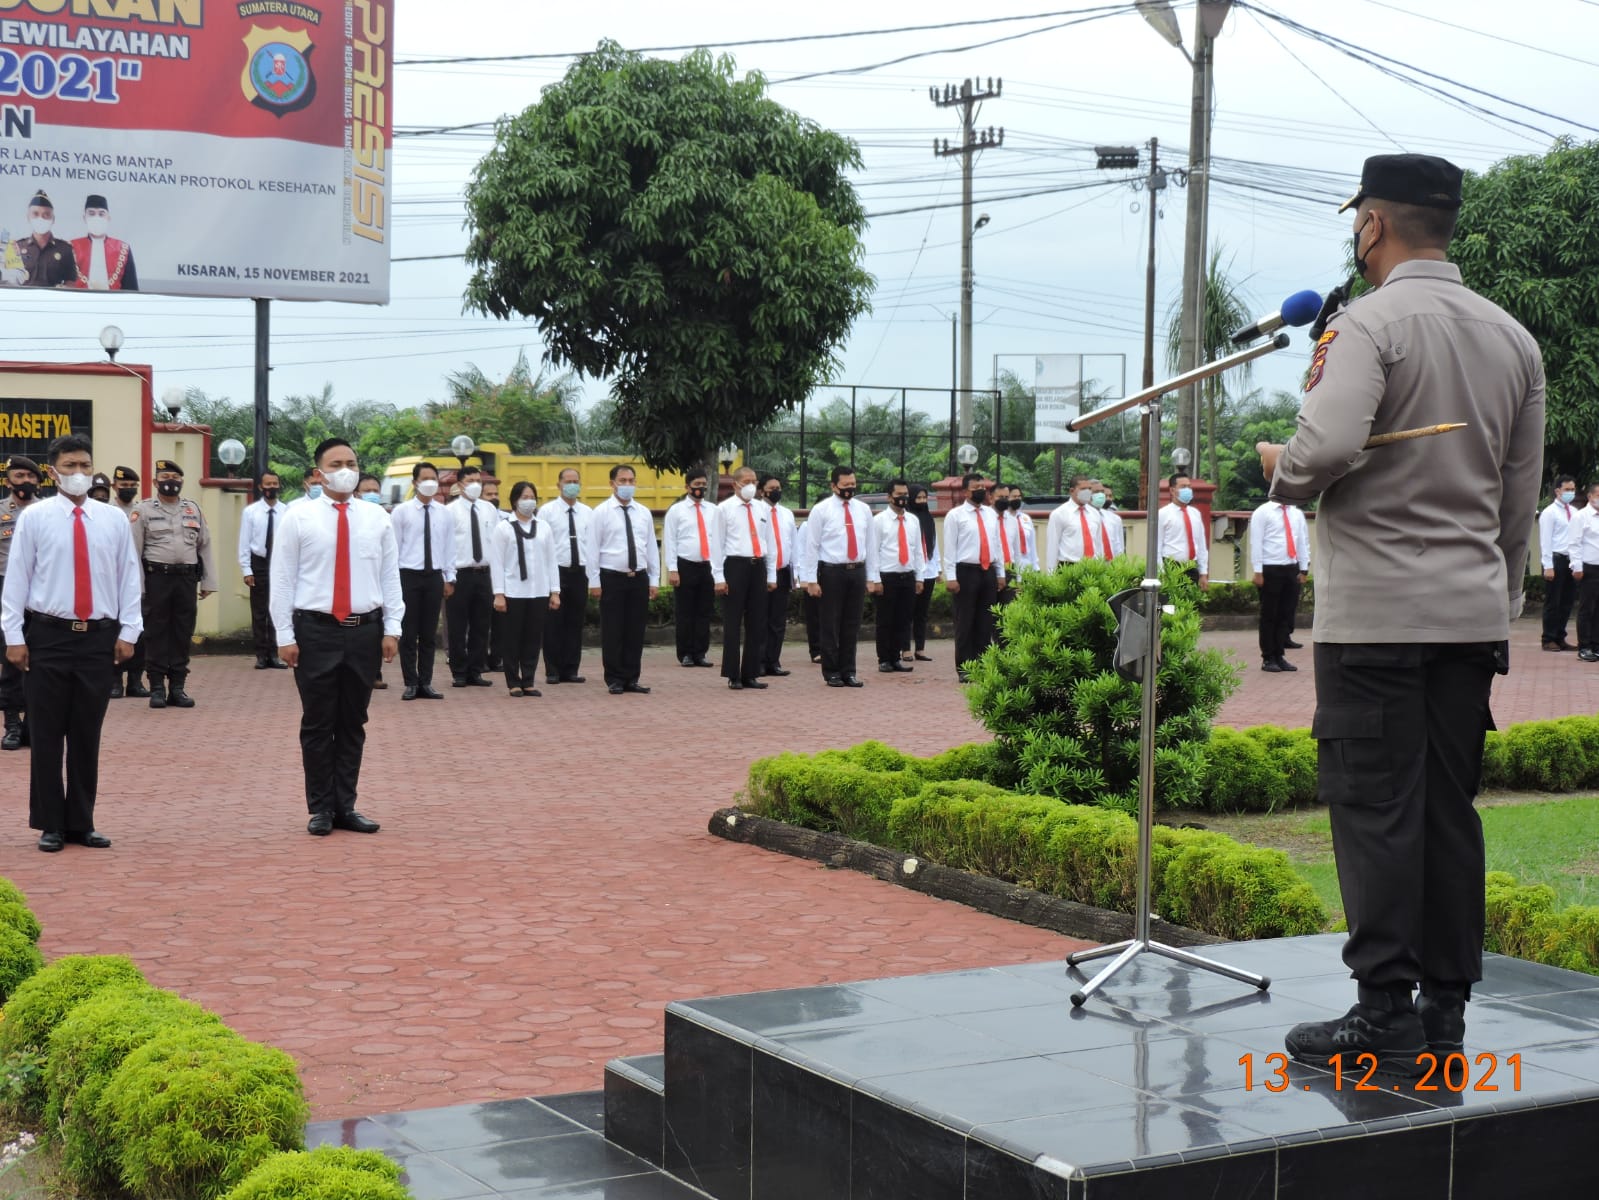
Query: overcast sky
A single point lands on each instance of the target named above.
(1056, 273)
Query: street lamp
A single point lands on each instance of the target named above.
(111, 341)
(171, 400)
(231, 452)
(1180, 458)
(462, 447)
(725, 456)
(966, 455)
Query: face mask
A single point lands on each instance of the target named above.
(372, 497)
(1084, 497)
(103, 496)
(97, 226)
(697, 492)
(846, 493)
(128, 495)
(527, 506)
(898, 501)
(1016, 506)
(472, 491)
(427, 487)
(266, 494)
(1360, 262)
(1567, 497)
(314, 492)
(169, 487)
(1185, 495)
(1099, 500)
(571, 490)
(73, 485)
(773, 496)
(979, 495)
(41, 225)
(24, 491)
(918, 505)
(624, 491)
(345, 479)
(747, 492)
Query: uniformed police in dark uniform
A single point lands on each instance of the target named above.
(46, 258)
(1419, 574)
(170, 534)
(22, 482)
(125, 498)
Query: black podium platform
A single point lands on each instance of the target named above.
(988, 1085)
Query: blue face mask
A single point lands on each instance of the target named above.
(1185, 495)
(1567, 497)
(1099, 500)
(314, 492)
(571, 490)
(624, 491)
(373, 497)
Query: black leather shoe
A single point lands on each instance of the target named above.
(97, 841)
(277, 664)
(1293, 645)
(426, 692)
(478, 681)
(1587, 655)
(920, 657)
(459, 681)
(50, 841)
(736, 686)
(755, 683)
(637, 688)
(137, 691)
(573, 679)
(320, 824)
(531, 692)
(116, 691)
(158, 696)
(552, 680)
(1270, 665)
(685, 661)
(1284, 665)
(408, 694)
(885, 668)
(777, 671)
(178, 698)
(379, 685)
(853, 681)
(262, 664)
(836, 681)
(703, 662)
(355, 823)
(615, 689)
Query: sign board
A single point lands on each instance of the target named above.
(1057, 396)
(27, 427)
(197, 147)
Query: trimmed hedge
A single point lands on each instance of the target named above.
(1524, 923)
(20, 960)
(326, 1173)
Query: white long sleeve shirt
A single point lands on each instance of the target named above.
(555, 515)
(1017, 534)
(734, 516)
(41, 576)
(1584, 544)
(303, 567)
(414, 521)
(253, 525)
(680, 534)
(784, 536)
(607, 545)
(828, 540)
(1554, 531)
(1177, 522)
(488, 521)
(1063, 536)
(538, 551)
(802, 541)
(890, 522)
(1115, 530)
(1268, 537)
(963, 541)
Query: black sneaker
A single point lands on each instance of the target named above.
(1442, 1008)
(1380, 1023)
(1587, 655)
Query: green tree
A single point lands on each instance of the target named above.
(668, 226)
(1227, 308)
(527, 412)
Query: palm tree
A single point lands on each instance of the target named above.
(1227, 308)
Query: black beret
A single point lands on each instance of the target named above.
(100, 480)
(1421, 179)
(41, 199)
(166, 464)
(125, 475)
(18, 462)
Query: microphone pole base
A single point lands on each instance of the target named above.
(1128, 951)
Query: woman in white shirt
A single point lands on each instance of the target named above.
(525, 578)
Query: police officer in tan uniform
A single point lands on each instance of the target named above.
(22, 482)
(125, 488)
(47, 260)
(170, 534)
(125, 498)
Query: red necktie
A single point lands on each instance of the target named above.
(849, 532)
(1004, 543)
(1021, 532)
(777, 534)
(983, 557)
(705, 541)
(1088, 537)
(1193, 551)
(755, 541)
(1104, 539)
(341, 565)
(904, 546)
(1288, 532)
(82, 585)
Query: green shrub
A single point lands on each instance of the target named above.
(1523, 922)
(85, 1050)
(1495, 762)
(195, 1110)
(827, 791)
(1240, 775)
(19, 917)
(10, 893)
(1050, 695)
(326, 1173)
(1213, 883)
(1546, 755)
(981, 761)
(39, 1005)
(19, 960)
(875, 756)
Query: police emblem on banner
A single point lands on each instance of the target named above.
(277, 72)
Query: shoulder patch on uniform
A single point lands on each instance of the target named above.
(1318, 360)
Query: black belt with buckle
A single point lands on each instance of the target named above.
(484, 567)
(849, 566)
(156, 568)
(353, 621)
(70, 624)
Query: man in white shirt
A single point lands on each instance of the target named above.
(258, 527)
(70, 612)
(470, 607)
(899, 568)
(1554, 537)
(424, 540)
(973, 572)
(1109, 519)
(1279, 548)
(338, 610)
(1583, 548)
(691, 540)
(1183, 535)
(784, 546)
(745, 571)
(841, 567)
(567, 518)
(624, 570)
(1076, 529)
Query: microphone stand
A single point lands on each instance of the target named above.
(1125, 952)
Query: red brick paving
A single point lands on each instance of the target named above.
(543, 884)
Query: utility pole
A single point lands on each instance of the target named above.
(967, 97)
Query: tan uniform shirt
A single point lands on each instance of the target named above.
(1424, 540)
(9, 512)
(175, 535)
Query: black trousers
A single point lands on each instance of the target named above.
(693, 601)
(624, 608)
(337, 667)
(777, 619)
(1559, 593)
(1279, 597)
(261, 631)
(563, 630)
(1400, 738)
(520, 631)
(419, 628)
(813, 624)
(1588, 608)
(170, 604)
(744, 618)
(67, 686)
(895, 609)
(11, 687)
(919, 616)
(974, 611)
(469, 610)
(843, 599)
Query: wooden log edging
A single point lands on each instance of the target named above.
(982, 892)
